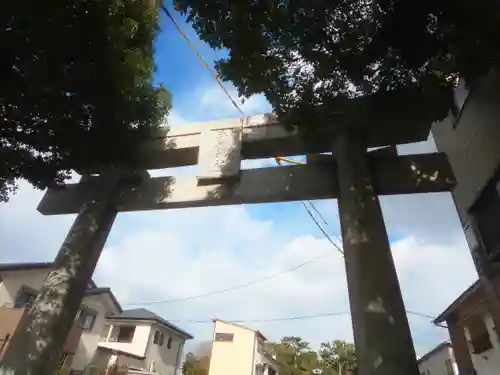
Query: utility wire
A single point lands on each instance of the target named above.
(254, 281)
(337, 247)
(282, 319)
(232, 288)
(214, 75)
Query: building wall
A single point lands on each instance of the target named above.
(435, 364)
(14, 280)
(488, 362)
(165, 359)
(472, 143)
(232, 358)
(139, 342)
(90, 338)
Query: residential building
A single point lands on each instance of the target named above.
(470, 137)
(19, 286)
(239, 350)
(476, 345)
(141, 340)
(438, 361)
(101, 330)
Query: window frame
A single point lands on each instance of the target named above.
(125, 326)
(25, 289)
(86, 312)
(485, 198)
(224, 337)
(169, 342)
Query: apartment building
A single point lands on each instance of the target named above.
(237, 349)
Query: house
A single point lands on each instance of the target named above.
(470, 325)
(470, 138)
(141, 340)
(239, 350)
(19, 286)
(438, 361)
(96, 339)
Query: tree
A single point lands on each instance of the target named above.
(311, 58)
(337, 358)
(77, 88)
(293, 356)
(195, 365)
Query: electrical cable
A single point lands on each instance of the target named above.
(214, 75)
(281, 319)
(230, 289)
(254, 281)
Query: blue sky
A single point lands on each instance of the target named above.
(165, 255)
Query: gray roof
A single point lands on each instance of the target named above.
(146, 315)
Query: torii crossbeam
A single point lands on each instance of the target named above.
(381, 331)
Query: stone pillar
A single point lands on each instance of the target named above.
(36, 345)
(382, 335)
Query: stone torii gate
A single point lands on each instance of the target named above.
(352, 175)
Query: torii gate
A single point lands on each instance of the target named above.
(353, 176)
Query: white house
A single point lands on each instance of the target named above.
(141, 340)
(101, 330)
(239, 350)
(438, 361)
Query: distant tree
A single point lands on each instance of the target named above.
(76, 86)
(293, 356)
(337, 358)
(194, 365)
(311, 58)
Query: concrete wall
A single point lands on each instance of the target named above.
(165, 359)
(90, 338)
(236, 357)
(488, 362)
(435, 364)
(472, 142)
(139, 342)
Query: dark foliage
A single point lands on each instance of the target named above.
(76, 86)
(311, 58)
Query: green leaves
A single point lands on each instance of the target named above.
(313, 59)
(77, 86)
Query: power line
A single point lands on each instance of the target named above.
(324, 220)
(214, 75)
(232, 288)
(337, 247)
(288, 318)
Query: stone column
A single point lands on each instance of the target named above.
(37, 343)
(382, 335)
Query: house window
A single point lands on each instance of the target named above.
(125, 334)
(85, 318)
(158, 338)
(224, 337)
(486, 213)
(25, 297)
(169, 343)
(62, 360)
(479, 335)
